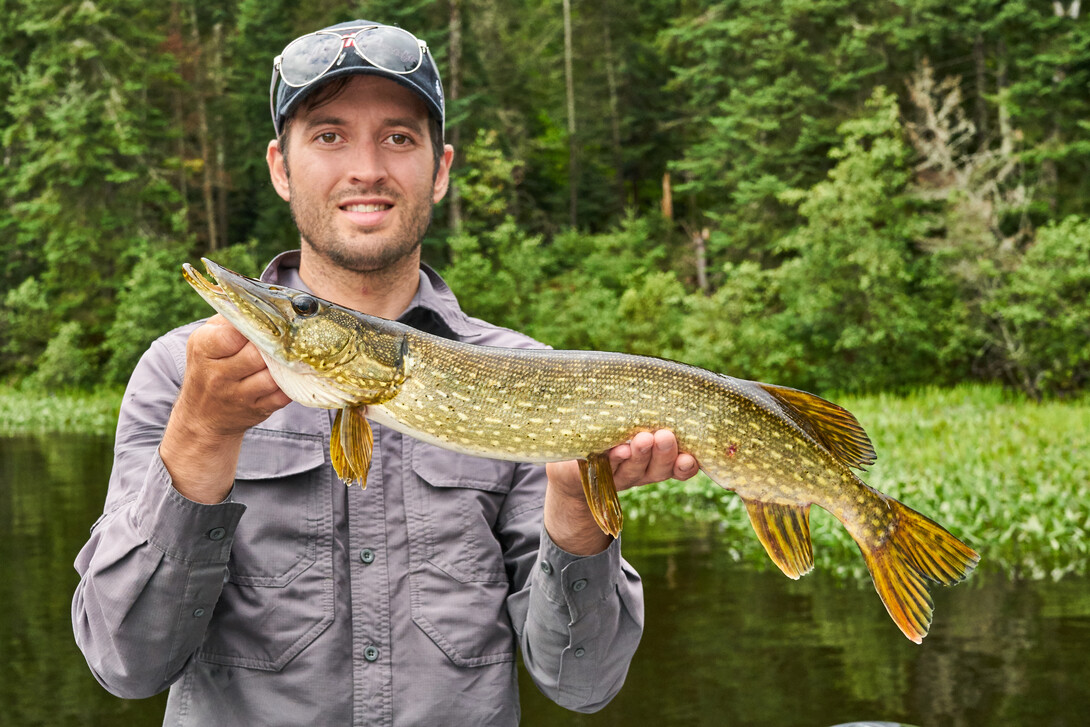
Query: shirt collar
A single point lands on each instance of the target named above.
(433, 309)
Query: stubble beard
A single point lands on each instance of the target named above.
(317, 228)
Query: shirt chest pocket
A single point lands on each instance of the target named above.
(458, 579)
(459, 499)
(278, 594)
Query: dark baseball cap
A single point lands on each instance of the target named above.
(423, 79)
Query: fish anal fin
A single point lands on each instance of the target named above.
(601, 493)
(833, 426)
(914, 551)
(350, 445)
(784, 530)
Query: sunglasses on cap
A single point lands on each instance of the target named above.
(310, 57)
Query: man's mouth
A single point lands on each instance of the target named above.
(366, 207)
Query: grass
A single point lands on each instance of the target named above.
(1005, 474)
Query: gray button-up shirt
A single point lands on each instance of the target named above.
(302, 602)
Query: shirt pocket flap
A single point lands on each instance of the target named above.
(267, 454)
(443, 468)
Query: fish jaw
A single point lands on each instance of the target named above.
(253, 314)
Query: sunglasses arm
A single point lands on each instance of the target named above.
(272, 97)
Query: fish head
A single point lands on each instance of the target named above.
(321, 354)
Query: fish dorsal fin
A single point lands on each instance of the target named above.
(833, 426)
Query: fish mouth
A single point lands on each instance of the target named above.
(250, 305)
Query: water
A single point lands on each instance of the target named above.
(724, 644)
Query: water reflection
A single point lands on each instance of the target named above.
(724, 645)
(51, 491)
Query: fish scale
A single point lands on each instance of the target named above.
(781, 450)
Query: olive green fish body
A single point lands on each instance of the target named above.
(541, 405)
(781, 450)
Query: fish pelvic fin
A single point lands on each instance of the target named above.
(350, 445)
(833, 426)
(601, 493)
(784, 530)
(914, 550)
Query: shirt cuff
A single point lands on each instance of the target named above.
(579, 581)
(181, 528)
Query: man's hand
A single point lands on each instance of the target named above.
(227, 389)
(647, 458)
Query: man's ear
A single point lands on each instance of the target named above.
(442, 176)
(278, 170)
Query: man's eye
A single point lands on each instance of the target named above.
(399, 139)
(328, 137)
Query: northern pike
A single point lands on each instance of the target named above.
(780, 449)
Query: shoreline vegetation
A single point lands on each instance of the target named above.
(26, 410)
(1001, 471)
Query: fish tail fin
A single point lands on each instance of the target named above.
(915, 550)
(601, 493)
(784, 530)
(350, 445)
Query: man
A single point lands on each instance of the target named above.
(231, 566)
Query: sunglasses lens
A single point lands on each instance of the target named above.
(388, 48)
(307, 58)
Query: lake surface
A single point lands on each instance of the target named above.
(724, 644)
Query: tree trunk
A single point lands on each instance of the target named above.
(207, 157)
(217, 78)
(573, 170)
(453, 92)
(615, 118)
(981, 87)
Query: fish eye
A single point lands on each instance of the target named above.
(305, 305)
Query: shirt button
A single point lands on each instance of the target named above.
(579, 585)
(367, 556)
(580, 652)
(370, 653)
(197, 613)
(546, 568)
(216, 533)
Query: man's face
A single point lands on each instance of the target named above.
(361, 179)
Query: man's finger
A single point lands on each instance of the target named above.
(685, 466)
(217, 339)
(652, 459)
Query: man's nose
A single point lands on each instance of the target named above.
(366, 165)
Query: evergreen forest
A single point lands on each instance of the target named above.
(836, 195)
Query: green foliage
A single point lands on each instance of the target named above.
(487, 182)
(864, 229)
(1043, 312)
(731, 331)
(154, 300)
(862, 307)
(66, 363)
(33, 410)
(25, 321)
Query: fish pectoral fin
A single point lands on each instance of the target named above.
(350, 445)
(834, 426)
(601, 493)
(915, 550)
(784, 530)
